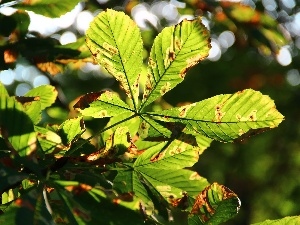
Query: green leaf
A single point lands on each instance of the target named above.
(153, 129)
(295, 220)
(129, 182)
(47, 95)
(3, 91)
(116, 44)
(214, 205)
(161, 168)
(32, 107)
(70, 130)
(226, 117)
(22, 138)
(48, 140)
(175, 50)
(85, 205)
(101, 104)
(29, 209)
(49, 8)
(126, 119)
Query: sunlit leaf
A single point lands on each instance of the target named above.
(226, 117)
(161, 168)
(126, 119)
(116, 44)
(295, 220)
(175, 50)
(47, 95)
(101, 104)
(22, 138)
(3, 91)
(71, 129)
(214, 205)
(49, 8)
(32, 107)
(48, 139)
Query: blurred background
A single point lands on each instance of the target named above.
(255, 44)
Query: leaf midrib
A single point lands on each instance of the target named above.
(122, 63)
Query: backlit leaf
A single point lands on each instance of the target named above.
(116, 44)
(161, 168)
(16, 126)
(32, 107)
(3, 91)
(47, 95)
(48, 139)
(49, 8)
(101, 104)
(71, 129)
(226, 117)
(175, 50)
(214, 205)
(295, 220)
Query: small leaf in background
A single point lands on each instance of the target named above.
(175, 50)
(70, 130)
(47, 95)
(101, 104)
(290, 220)
(226, 117)
(116, 44)
(49, 8)
(214, 205)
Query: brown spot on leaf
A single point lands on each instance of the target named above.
(207, 201)
(181, 203)
(165, 88)
(87, 99)
(158, 156)
(151, 63)
(218, 113)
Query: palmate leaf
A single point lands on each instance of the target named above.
(295, 220)
(116, 44)
(161, 168)
(49, 8)
(226, 117)
(175, 50)
(214, 205)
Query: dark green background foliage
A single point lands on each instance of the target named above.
(262, 170)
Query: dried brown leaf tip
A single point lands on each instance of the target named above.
(207, 201)
(85, 100)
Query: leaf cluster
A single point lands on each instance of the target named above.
(139, 166)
